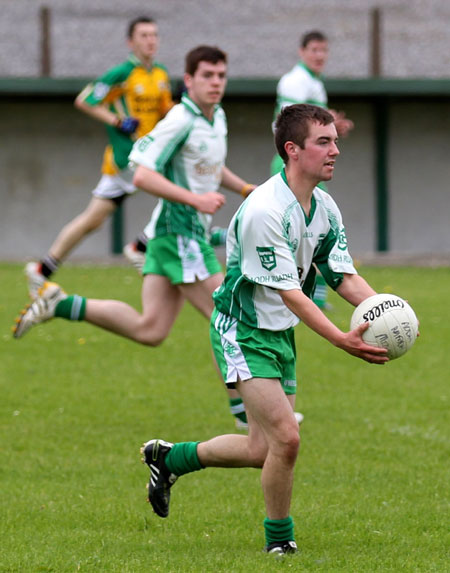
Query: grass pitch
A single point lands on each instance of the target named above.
(371, 485)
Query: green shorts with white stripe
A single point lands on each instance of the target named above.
(243, 352)
(181, 259)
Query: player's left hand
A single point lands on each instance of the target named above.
(128, 125)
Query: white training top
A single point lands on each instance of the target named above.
(300, 85)
(272, 245)
(190, 151)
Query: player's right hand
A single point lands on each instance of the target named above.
(128, 125)
(353, 343)
(209, 202)
(342, 123)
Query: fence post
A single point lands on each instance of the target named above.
(45, 21)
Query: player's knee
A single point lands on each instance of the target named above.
(289, 444)
(149, 336)
(150, 340)
(150, 330)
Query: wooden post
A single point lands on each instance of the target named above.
(45, 41)
(376, 42)
(381, 121)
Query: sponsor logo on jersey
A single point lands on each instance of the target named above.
(264, 279)
(267, 257)
(341, 258)
(202, 168)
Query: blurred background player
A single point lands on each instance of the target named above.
(129, 99)
(182, 161)
(303, 84)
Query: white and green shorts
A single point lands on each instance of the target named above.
(244, 352)
(115, 186)
(181, 259)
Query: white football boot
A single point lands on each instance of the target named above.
(35, 278)
(41, 310)
(136, 258)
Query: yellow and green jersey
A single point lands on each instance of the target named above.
(130, 90)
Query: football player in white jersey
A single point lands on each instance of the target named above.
(284, 226)
(182, 161)
(304, 84)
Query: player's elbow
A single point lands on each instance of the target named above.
(145, 179)
(79, 103)
(138, 179)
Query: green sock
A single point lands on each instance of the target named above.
(72, 307)
(320, 293)
(237, 408)
(183, 459)
(278, 530)
(218, 236)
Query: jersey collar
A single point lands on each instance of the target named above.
(313, 200)
(193, 107)
(137, 62)
(310, 72)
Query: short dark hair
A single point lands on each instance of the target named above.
(210, 54)
(292, 124)
(139, 20)
(313, 36)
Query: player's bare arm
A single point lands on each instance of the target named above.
(102, 113)
(99, 112)
(235, 183)
(354, 289)
(153, 182)
(315, 319)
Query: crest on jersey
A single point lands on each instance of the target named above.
(101, 90)
(267, 257)
(342, 241)
(144, 142)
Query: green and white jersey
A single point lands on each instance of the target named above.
(272, 246)
(300, 85)
(190, 151)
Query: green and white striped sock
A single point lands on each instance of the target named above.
(71, 308)
(237, 408)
